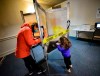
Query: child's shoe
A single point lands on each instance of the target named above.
(30, 73)
(68, 70)
(70, 66)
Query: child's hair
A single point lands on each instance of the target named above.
(65, 42)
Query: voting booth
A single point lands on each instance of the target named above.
(53, 21)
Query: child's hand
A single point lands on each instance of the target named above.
(57, 43)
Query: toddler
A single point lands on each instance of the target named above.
(64, 47)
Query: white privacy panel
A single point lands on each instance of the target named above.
(56, 17)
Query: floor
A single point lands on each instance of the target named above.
(85, 57)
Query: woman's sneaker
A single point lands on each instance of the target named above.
(41, 71)
(44, 70)
(29, 74)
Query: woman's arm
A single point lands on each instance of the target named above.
(29, 38)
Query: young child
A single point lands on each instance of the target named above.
(64, 47)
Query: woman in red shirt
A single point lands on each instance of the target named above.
(25, 41)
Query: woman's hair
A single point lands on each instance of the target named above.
(65, 42)
(35, 24)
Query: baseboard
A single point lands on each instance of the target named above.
(7, 52)
(7, 38)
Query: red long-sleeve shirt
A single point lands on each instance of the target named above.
(24, 41)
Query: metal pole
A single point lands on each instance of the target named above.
(37, 16)
(68, 20)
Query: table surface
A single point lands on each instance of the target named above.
(84, 29)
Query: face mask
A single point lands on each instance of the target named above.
(35, 30)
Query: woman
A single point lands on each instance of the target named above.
(25, 41)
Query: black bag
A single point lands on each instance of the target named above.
(51, 46)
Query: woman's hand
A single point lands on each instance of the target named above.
(38, 40)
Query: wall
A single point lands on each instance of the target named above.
(83, 12)
(10, 22)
